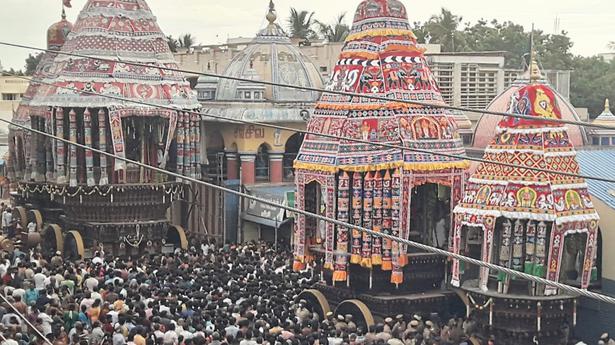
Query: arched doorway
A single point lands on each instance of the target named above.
(261, 164)
(291, 150)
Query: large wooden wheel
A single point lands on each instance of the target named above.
(360, 312)
(37, 217)
(316, 302)
(20, 215)
(74, 248)
(177, 236)
(52, 240)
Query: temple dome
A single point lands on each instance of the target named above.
(58, 33)
(485, 128)
(274, 57)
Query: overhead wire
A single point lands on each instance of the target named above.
(324, 135)
(25, 319)
(567, 288)
(314, 89)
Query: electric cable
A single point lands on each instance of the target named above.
(570, 289)
(313, 89)
(399, 147)
(6, 301)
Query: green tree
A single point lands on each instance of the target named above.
(336, 32)
(300, 24)
(443, 29)
(420, 32)
(186, 41)
(173, 43)
(32, 62)
(591, 82)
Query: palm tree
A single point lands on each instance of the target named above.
(300, 24)
(173, 44)
(336, 32)
(186, 41)
(443, 30)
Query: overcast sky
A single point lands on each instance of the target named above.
(590, 23)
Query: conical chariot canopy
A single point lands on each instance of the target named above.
(514, 192)
(381, 57)
(124, 30)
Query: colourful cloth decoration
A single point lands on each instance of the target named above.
(377, 220)
(89, 156)
(343, 214)
(357, 217)
(368, 200)
(521, 194)
(380, 57)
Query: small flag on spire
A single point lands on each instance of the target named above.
(67, 3)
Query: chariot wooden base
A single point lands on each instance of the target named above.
(516, 319)
(121, 219)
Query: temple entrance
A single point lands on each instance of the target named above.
(314, 228)
(573, 258)
(471, 246)
(430, 218)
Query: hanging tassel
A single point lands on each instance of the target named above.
(397, 277)
(339, 276)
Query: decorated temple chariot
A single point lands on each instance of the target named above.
(80, 201)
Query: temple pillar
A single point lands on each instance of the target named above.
(248, 173)
(487, 253)
(591, 248)
(232, 166)
(556, 249)
(89, 155)
(59, 146)
(72, 179)
(276, 171)
(102, 145)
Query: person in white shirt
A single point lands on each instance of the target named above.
(31, 227)
(7, 220)
(39, 280)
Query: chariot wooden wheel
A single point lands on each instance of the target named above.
(361, 314)
(177, 236)
(316, 302)
(52, 240)
(20, 215)
(74, 248)
(37, 217)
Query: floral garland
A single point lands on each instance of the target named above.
(62, 191)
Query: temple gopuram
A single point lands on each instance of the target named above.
(83, 201)
(537, 222)
(390, 190)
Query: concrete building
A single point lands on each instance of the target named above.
(603, 138)
(257, 157)
(11, 91)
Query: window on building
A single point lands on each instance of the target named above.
(9, 96)
(467, 139)
(257, 95)
(247, 95)
(595, 141)
(605, 141)
(324, 68)
(261, 164)
(612, 140)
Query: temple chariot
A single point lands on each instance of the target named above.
(82, 201)
(392, 190)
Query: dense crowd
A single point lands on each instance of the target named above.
(245, 295)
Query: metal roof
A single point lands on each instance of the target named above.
(599, 163)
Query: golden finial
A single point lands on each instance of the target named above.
(607, 106)
(271, 16)
(63, 13)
